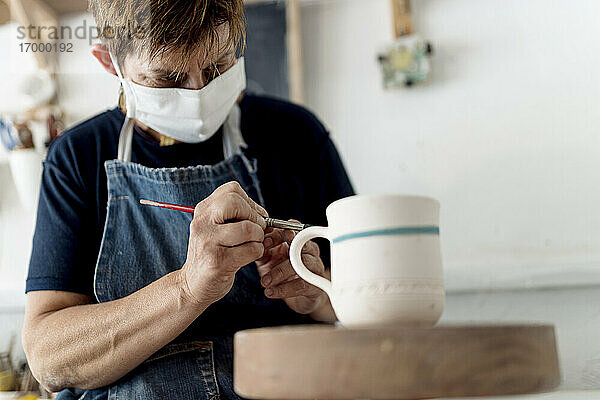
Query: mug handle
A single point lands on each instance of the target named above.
(295, 257)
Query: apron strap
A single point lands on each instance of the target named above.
(233, 141)
(125, 139)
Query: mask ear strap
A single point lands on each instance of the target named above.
(115, 63)
(129, 95)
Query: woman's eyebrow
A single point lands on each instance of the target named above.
(168, 74)
(224, 55)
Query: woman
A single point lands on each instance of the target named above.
(129, 301)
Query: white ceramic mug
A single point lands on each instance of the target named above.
(386, 264)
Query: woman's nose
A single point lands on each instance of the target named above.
(196, 81)
(201, 78)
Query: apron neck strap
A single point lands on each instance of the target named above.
(125, 140)
(233, 141)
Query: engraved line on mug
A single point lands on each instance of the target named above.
(407, 230)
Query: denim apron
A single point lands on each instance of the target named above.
(141, 244)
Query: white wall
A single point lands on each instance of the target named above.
(85, 88)
(15, 223)
(506, 135)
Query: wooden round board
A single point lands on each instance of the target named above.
(326, 362)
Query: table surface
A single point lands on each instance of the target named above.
(325, 362)
(559, 395)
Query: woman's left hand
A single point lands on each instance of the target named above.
(279, 278)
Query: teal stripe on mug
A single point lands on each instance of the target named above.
(408, 230)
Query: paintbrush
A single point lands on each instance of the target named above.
(271, 222)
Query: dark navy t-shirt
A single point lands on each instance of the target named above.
(299, 169)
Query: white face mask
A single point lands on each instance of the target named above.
(190, 116)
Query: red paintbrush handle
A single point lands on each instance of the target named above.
(170, 206)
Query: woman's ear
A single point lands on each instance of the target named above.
(100, 52)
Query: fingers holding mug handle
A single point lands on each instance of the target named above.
(295, 257)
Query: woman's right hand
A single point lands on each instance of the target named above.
(226, 234)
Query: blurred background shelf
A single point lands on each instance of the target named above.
(48, 13)
(4, 12)
(62, 6)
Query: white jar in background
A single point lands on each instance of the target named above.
(26, 170)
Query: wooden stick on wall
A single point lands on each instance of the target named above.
(402, 18)
(294, 45)
(4, 12)
(38, 14)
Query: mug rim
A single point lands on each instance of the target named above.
(382, 195)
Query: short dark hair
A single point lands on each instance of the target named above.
(162, 27)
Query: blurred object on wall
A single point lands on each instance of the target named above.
(46, 123)
(7, 372)
(402, 17)
(24, 134)
(36, 128)
(55, 126)
(27, 91)
(7, 381)
(405, 62)
(18, 383)
(274, 49)
(38, 13)
(26, 169)
(9, 136)
(26, 138)
(4, 12)
(266, 53)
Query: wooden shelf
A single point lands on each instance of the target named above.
(4, 12)
(68, 6)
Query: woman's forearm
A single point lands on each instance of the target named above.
(92, 345)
